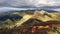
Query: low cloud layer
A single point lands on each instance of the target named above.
(36, 3)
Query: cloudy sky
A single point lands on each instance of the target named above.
(36, 3)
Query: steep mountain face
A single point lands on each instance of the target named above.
(42, 16)
(41, 19)
(39, 15)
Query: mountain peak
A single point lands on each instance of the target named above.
(44, 15)
(41, 13)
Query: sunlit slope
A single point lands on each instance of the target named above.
(45, 16)
(57, 14)
(39, 15)
(24, 19)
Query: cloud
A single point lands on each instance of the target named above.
(47, 3)
(37, 3)
(2, 1)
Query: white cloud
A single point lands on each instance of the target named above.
(32, 2)
(47, 3)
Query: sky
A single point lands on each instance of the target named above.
(36, 3)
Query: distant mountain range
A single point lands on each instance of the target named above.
(11, 9)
